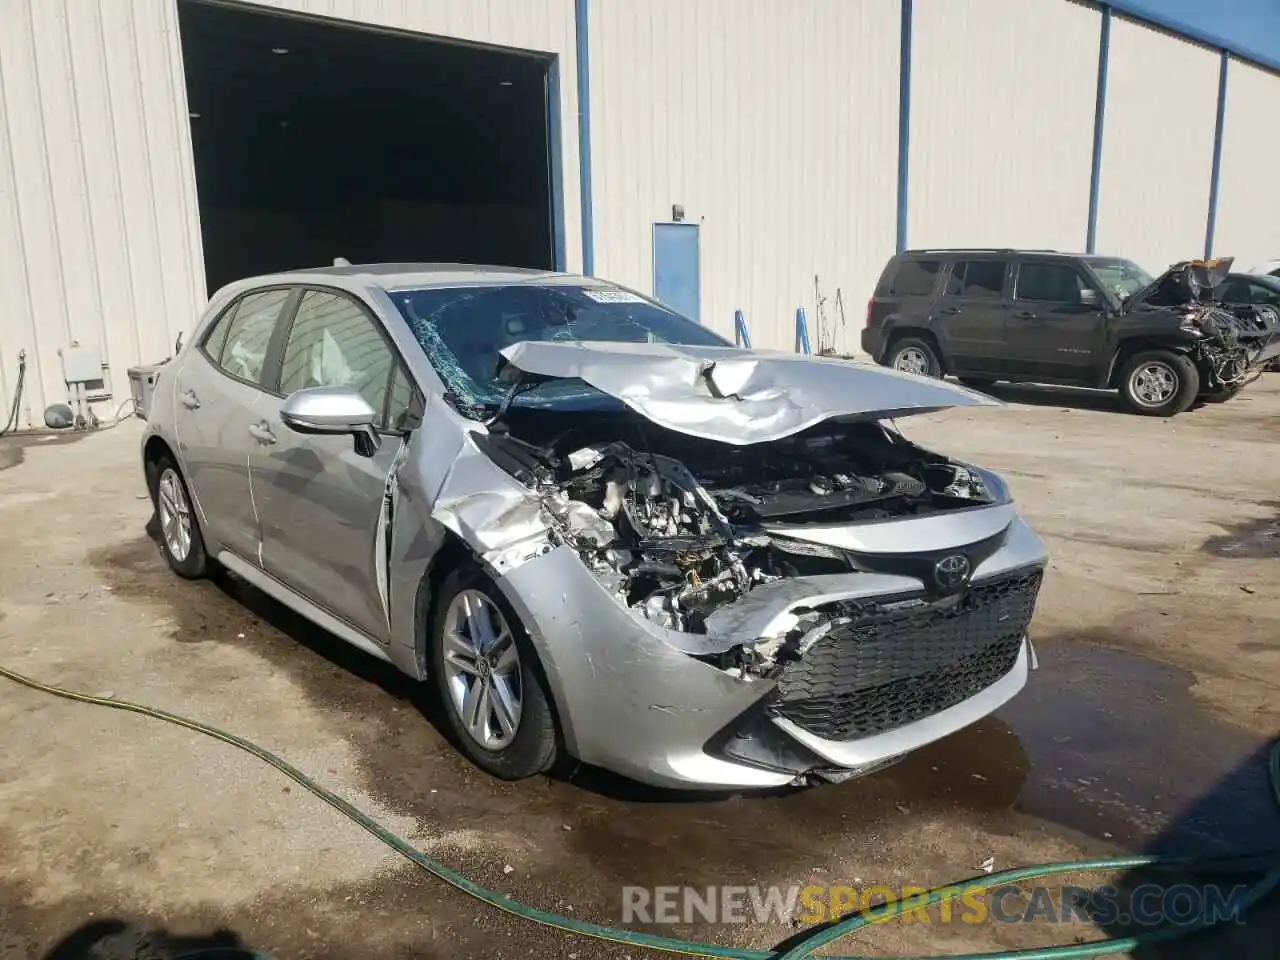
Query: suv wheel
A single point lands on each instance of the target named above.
(1159, 383)
(910, 355)
(489, 680)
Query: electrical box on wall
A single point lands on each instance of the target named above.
(82, 365)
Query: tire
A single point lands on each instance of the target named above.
(912, 355)
(977, 383)
(1171, 383)
(181, 541)
(510, 674)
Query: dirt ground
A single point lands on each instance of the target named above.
(1158, 635)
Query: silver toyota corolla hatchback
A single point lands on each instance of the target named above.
(598, 529)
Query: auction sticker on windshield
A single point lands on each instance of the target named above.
(614, 296)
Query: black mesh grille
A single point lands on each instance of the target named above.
(883, 670)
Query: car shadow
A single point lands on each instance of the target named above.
(421, 697)
(1160, 897)
(114, 939)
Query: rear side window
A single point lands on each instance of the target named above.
(238, 341)
(1050, 282)
(979, 279)
(915, 278)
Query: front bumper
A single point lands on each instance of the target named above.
(631, 700)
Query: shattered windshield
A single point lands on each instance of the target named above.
(1123, 277)
(464, 329)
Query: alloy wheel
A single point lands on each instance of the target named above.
(175, 514)
(482, 670)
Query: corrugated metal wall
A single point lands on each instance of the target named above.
(774, 124)
(99, 230)
(1157, 148)
(1248, 226)
(1001, 123)
(98, 222)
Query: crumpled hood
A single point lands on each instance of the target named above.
(735, 395)
(1188, 281)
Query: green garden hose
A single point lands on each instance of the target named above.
(1266, 862)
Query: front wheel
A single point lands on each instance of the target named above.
(910, 355)
(1159, 383)
(489, 680)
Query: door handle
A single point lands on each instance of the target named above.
(261, 432)
(1026, 315)
(951, 310)
(190, 400)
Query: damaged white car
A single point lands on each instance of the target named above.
(597, 528)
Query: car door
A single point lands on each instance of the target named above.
(969, 316)
(219, 394)
(321, 504)
(1055, 321)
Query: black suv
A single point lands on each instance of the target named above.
(1047, 317)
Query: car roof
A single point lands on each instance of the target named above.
(409, 276)
(1265, 279)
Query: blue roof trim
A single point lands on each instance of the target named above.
(1136, 12)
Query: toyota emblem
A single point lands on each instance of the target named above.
(951, 572)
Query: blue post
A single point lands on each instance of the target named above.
(802, 332)
(1099, 119)
(1216, 172)
(740, 333)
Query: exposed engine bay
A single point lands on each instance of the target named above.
(1229, 338)
(677, 526)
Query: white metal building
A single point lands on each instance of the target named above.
(753, 155)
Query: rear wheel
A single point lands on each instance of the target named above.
(911, 355)
(489, 680)
(1159, 383)
(180, 538)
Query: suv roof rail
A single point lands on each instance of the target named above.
(981, 250)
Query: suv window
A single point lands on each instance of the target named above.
(334, 341)
(915, 278)
(1051, 282)
(980, 279)
(1237, 291)
(1262, 294)
(238, 341)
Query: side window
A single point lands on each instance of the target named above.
(1261, 294)
(335, 342)
(915, 278)
(399, 400)
(1049, 282)
(979, 279)
(1237, 291)
(241, 349)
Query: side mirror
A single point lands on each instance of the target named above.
(1089, 297)
(333, 411)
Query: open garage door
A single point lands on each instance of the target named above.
(316, 139)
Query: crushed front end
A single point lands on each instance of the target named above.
(1230, 345)
(812, 607)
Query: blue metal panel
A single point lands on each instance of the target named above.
(1212, 221)
(1141, 11)
(555, 161)
(904, 121)
(1099, 115)
(677, 280)
(581, 10)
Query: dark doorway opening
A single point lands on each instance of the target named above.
(315, 140)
